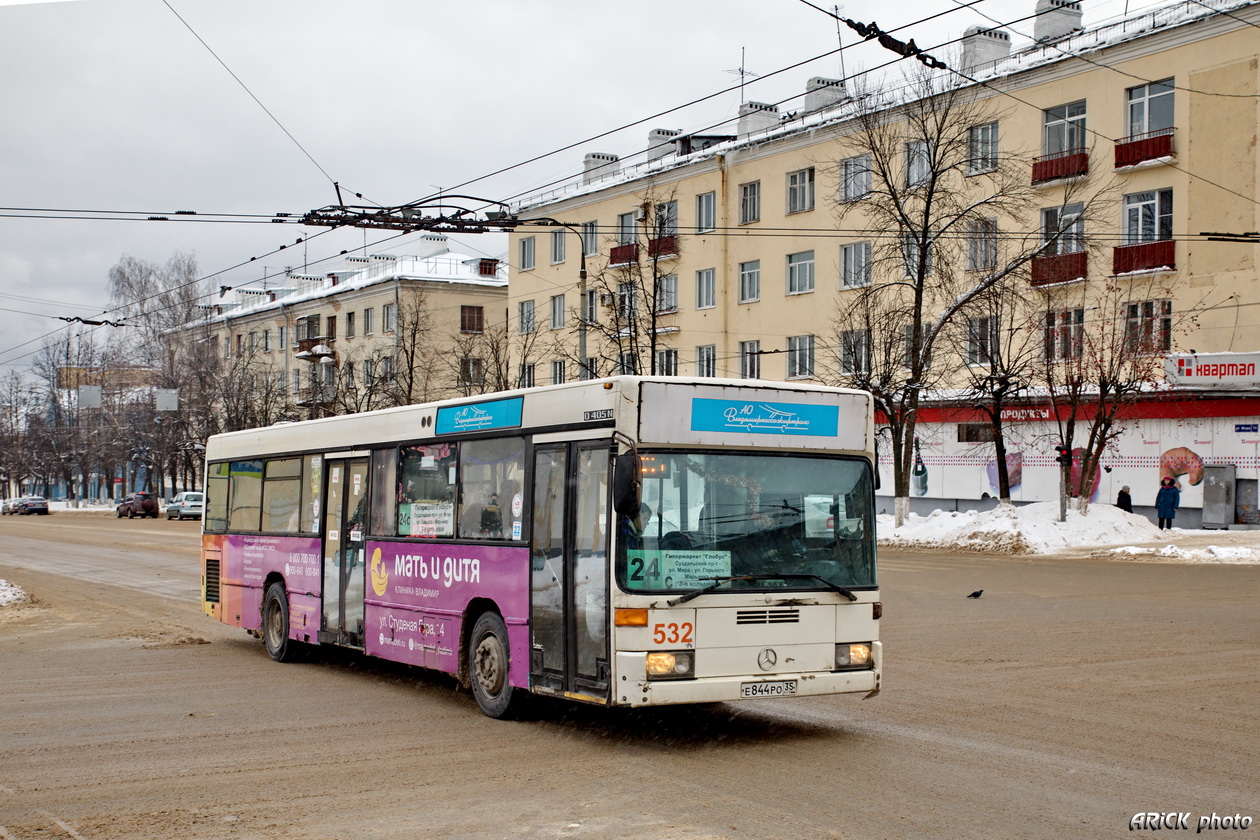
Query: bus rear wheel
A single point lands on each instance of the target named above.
(488, 662)
(275, 624)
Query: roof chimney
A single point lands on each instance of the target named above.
(1056, 19)
(823, 93)
(599, 165)
(660, 143)
(757, 116)
(982, 46)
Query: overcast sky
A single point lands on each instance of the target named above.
(115, 105)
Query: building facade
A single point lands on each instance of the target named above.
(741, 255)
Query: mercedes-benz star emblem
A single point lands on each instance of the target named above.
(766, 659)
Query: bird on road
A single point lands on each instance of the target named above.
(976, 594)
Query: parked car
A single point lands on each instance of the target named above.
(142, 503)
(10, 506)
(32, 504)
(189, 503)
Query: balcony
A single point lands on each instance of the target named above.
(623, 254)
(1143, 147)
(1147, 256)
(1060, 165)
(665, 246)
(1061, 268)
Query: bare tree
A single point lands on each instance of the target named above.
(922, 181)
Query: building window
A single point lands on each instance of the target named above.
(307, 328)
(590, 306)
(855, 178)
(982, 244)
(557, 246)
(750, 202)
(706, 288)
(369, 318)
(855, 352)
(1064, 333)
(349, 375)
(855, 265)
(627, 228)
(1148, 216)
(590, 238)
(472, 319)
(283, 335)
(627, 301)
(667, 294)
(976, 433)
(912, 254)
(706, 360)
(1063, 230)
(387, 368)
(800, 356)
(706, 212)
(525, 376)
(918, 162)
(590, 368)
(349, 325)
(1148, 327)
(750, 359)
(266, 334)
(800, 273)
(253, 342)
(981, 339)
(667, 362)
(666, 219)
(1151, 107)
(330, 331)
(557, 312)
(1064, 128)
(295, 386)
(627, 364)
(472, 372)
(388, 320)
(749, 281)
(557, 372)
(983, 147)
(800, 190)
(526, 246)
(525, 320)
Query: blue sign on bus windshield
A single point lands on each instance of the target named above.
(764, 418)
(477, 417)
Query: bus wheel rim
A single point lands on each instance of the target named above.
(490, 662)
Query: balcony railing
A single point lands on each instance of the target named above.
(1147, 256)
(1143, 147)
(622, 254)
(665, 246)
(1060, 165)
(1059, 269)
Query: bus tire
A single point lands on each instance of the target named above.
(488, 661)
(275, 624)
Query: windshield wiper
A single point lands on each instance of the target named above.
(720, 582)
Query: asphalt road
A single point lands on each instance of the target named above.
(1072, 695)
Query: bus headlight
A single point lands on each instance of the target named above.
(671, 665)
(853, 655)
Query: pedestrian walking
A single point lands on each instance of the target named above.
(1167, 500)
(1123, 500)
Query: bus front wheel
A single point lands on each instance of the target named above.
(275, 624)
(488, 666)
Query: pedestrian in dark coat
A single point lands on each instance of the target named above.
(1167, 500)
(1123, 500)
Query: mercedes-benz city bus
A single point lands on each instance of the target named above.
(631, 541)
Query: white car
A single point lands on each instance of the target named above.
(189, 503)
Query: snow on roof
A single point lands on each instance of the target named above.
(1099, 36)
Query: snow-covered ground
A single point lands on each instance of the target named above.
(1035, 529)
(10, 593)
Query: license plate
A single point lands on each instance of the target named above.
(776, 688)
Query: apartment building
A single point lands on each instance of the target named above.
(1135, 136)
(382, 330)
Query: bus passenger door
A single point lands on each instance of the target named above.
(345, 517)
(569, 569)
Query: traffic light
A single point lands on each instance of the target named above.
(1065, 454)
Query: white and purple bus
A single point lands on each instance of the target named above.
(631, 541)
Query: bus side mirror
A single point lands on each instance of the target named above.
(627, 484)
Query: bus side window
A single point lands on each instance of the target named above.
(384, 475)
(491, 473)
(216, 497)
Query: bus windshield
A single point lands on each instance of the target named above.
(707, 516)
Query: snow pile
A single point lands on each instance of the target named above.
(10, 593)
(1028, 529)
(1238, 554)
